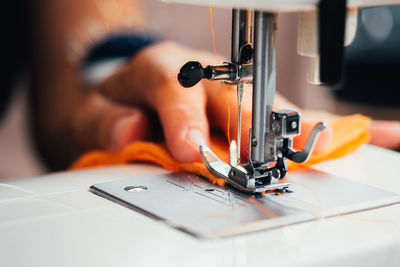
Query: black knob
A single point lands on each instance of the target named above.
(190, 74)
(246, 53)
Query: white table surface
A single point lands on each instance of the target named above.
(54, 221)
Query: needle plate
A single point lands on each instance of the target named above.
(193, 205)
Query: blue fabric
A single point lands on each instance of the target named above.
(117, 47)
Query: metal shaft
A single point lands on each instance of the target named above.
(264, 81)
(239, 129)
(241, 34)
(241, 28)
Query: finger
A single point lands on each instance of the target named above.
(150, 80)
(385, 134)
(103, 124)
(137, 81)
(183, 118)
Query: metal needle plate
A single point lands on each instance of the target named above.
(195, 206)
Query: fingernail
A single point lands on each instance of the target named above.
(195, 138)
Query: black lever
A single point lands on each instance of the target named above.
(332, 24)
(190, 74)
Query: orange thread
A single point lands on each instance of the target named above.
(227, 94)
(213, 36)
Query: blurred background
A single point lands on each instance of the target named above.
(370, 85)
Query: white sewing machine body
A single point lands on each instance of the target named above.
(54, 220)
(280, 6)
(193, 204)
(323, 32)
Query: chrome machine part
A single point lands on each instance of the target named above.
(263, 81)
(272, 132)
(237, 176)
(241, 52)
(193, 72)
(239, 119)
(303, 156)
(214, 164)
(241, 36)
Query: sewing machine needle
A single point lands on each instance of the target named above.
(239, 118)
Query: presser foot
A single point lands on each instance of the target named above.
(239, 177)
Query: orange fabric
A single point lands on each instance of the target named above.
(349, 133)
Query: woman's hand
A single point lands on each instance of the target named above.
(68, 120)
(117, 111)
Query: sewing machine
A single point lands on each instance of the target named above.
(53, 220)
(192, 205)
(322, 35)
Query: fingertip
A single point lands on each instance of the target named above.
(385, 134)
(184, 144)
(185, 125)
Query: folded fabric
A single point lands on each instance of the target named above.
(349, 133)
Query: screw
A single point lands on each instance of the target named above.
(275, 126)
(254, 141)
